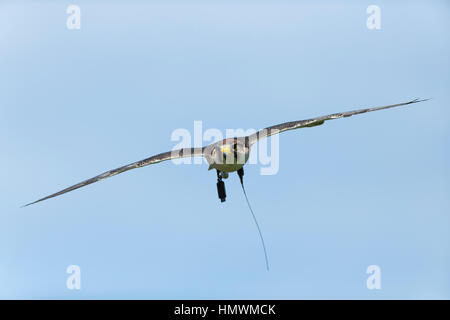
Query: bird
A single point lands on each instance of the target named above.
(228, 155)
(225, 156)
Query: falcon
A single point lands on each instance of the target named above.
(225, 156)
(228, 155)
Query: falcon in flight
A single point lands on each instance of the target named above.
(225, 156)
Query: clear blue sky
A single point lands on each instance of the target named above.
(371, 189)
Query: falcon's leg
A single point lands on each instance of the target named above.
(221, 187)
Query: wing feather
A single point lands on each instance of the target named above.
(269, 131)
(180, 153)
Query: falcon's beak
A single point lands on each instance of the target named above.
(225, 149)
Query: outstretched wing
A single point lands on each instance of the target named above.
(180, 153)
(269, 131)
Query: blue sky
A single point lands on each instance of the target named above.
(367, 190)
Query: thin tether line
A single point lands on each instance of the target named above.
(257, 225)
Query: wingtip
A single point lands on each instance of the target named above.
(417, 100)
(26, 205)
(29, 204)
